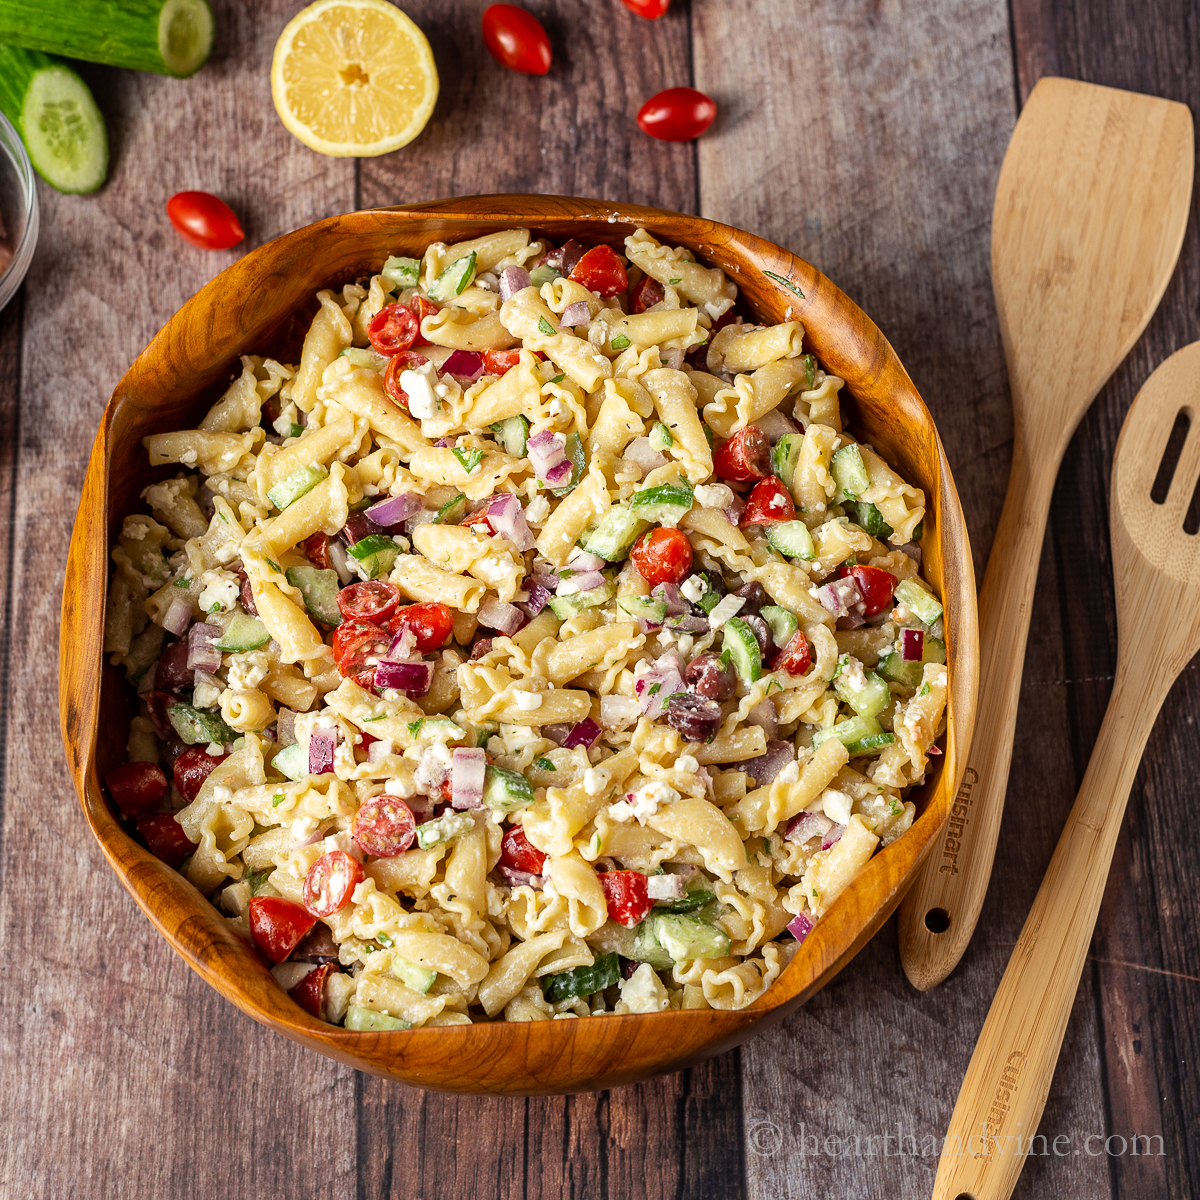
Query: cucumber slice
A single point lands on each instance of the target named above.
(860, 735)
(401, 273)
(909, 674)
(319, 589)
(57, 118)
(243, 633)
(613, 538)
(377, 552)
(689, 937)
(574, 451)
(442, 829)
(645, 608)
(197, 726)
(543, 274)
(791, 538)
(866, 515)
(782, 623)
(660, 437)
(292, 762)
(582, 981)
(925, 604)
(452, 511)
(864, 691)
(367, 1020)
(362, 357)
(849, 473)
(565, 607)
(454, 280)
(663, 505)
(299, 483)
(785, 455)
(512, 433)
(420, 979)
(743, 650)
(506, 791)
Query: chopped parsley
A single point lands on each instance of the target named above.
(274, 567)
(791, 287)
(674, 281)
(277, 799)
(183, 582)
(544, 764)
(654, 689)
(367, 720)
(255, 879)
(558, 379)
(385, 941)
(810, 370)
(545, 327)
(924, 690)
(470, 459)
(295, 430)
(619, 342)
(414, 727)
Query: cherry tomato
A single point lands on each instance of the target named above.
(316, 548)
(519, 853)
(330, 882)
(746, 456)
(192, 767)
(768, 503)
(366, 743)
(625, 892)
(676, 115)
(278, 925)
(393, 329)
(309, 993)
(354, 644)
(204, 220)
(405, 360)
(646, 294)
(166, 839)
(136, 787)
(650, 9)
(499, 362)
(157, 704)
(516, 40)
(423, 308)
(662, 556)
(874, 584)
(795, 658)
(431, 624)
(374, 600)
(601, 271)
(384, 827)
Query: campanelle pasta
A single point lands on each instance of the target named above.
(539, 645)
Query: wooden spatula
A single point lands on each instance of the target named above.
(1156, 561)
(1090, 213)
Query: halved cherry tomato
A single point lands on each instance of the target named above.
(316, 548)
(431, 624)
(519, 853)
(746, 456)
(393, 329)
(662, 556)
(166, 839)
(499, 362)
(374, 600)
(384, 827)
(769, 502)
(405, 360)
(625, 891)
(650, 9)
(204, 220)
(355, 643)
(423, 308)
(330, 882)
(646, 294)
(192, 767)
(309, 993)
(795, 658)
(676, 115)
(516, 40)
(278, 925)
(136, 787)
(875, 585)
(601, 271)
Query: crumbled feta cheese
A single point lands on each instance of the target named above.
(247, 670)
(205, 694)
(556, 409)
(595, 780)
(419, 385)
(400, 786)
(687, 762)
(220, 591)
(836, 805)
(714, 495)
(527, 701)
(643, 992)
(221, 794)
(790, 773)
(726, 607)
(643, 803)
(693, 587)
(432, 768)
(303, 828)
(852, 673)
(537, 510)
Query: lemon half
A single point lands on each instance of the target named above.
(353, 78)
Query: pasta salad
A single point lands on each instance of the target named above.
(539, 645)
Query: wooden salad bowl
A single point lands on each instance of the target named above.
(262, 304)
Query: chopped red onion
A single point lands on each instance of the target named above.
(313, 838)
(767, 766)
(706, 775)
(800, 927)
(665, 887)
(403, 647)
(658, 684)
(539, 597)
(515, 878)
(677, 604)
(207, 677)
(557, 732)
(839, 596)
(584, 734)
(807, 825)
(775, 425)
(379, 750)
(468, 768)
(912, 644)
(465, 365)
(411, 677)
(575, 314)
(912, 550)
(581, 560)
(733, 514)
(320, 754)
(852, 620)
(548, 454)
(178, 614)
(512, 281)
(935, 751)
(644, 456)
(339, 560)
(505, 515)
(504, 618)
(673, 359)
(559, 474)
(202, 655)
(766, 718)
(617, 712)
(584, 581)
(834, 834)
(394, 509)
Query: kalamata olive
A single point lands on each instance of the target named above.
(762, 635)
(246, 593)
(481, 647)
(317, 946)
(696, 718)
(172, 672)
(755, 596)
(711, 678)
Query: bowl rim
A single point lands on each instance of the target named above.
(637, 1041)
(13, 147)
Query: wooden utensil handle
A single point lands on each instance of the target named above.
(938, 916)
(1005, 1088)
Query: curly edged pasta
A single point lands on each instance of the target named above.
(539, 645)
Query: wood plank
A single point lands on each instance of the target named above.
(137, 1076)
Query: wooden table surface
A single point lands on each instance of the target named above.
(867, 136)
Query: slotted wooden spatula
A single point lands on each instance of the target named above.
(1157, 567)
(1090, 212)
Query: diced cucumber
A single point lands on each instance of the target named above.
(367, 1020)
(689, 937)
(613, 538)
(913, 596)
(660, 437)
(849, 473)
(565, 607)
(582, 981)
(454, 280)
(292, 761)
(646, 608)
(860, 735)
(197, 726)
(743, 650)
(791, 538)
(377, 552)
(506, 791)
(869, 699)
(299, 483)
(782, 623)
(452, 511)
(361, 356)
(665, 504)
(866, 515)
(543, 274)
(319, 590)
(909, 674)
(574, 451)
(512, 434)
(442, 829)
(243, 633)
(688, 903)
(785, 455)
(420, 979)
(401, 273)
